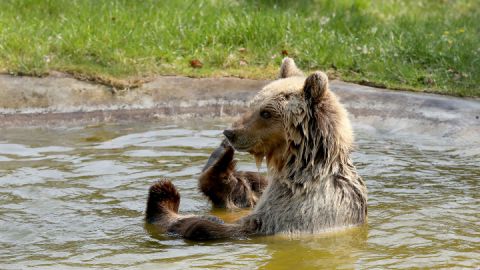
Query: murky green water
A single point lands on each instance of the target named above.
(74, 198)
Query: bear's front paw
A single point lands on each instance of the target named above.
(221, 158)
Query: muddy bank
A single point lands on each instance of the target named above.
(62, 100)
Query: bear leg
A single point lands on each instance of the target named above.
(224, 185)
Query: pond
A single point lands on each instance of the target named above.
(73, 197)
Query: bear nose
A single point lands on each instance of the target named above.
(230, 134)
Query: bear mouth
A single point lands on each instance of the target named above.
(241, 147)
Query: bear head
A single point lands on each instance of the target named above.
(297, 124)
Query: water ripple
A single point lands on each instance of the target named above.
(75, 199)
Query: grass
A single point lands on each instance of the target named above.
(419, 45)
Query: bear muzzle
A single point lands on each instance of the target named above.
(238, 140)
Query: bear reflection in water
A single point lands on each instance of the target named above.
(300, 128)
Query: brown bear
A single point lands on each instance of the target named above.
(298, 125)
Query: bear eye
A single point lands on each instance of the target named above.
(265, 114)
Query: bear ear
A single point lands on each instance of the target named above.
(316, 85)
(289, 69)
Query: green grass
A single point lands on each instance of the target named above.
(419, 45)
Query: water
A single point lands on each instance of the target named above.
(74, 198)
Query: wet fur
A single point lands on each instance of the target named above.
(162, 211)
(225, 186)
(306, 140)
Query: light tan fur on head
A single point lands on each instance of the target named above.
(298, 124)
(289, 69)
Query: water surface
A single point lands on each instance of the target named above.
(74, 198)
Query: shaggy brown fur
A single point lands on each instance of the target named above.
(226, 187)
(162, 210)
(303, 132)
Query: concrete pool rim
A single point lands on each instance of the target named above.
(63, 100)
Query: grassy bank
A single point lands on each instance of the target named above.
(421, 45)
